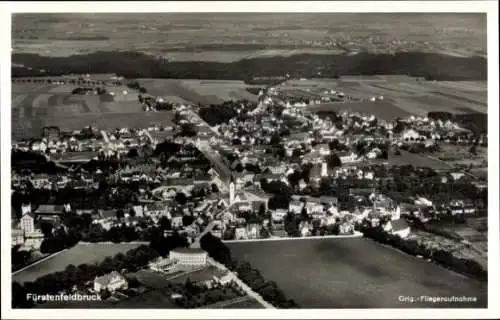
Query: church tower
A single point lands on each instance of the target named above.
(231, 190)
(324, 169)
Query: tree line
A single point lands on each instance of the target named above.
(413, 247)
(131, 64)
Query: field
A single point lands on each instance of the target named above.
(402, 95)
(354, 273)
(198, 91)
(474, 231)
(79, 254)
(35, 105)
(460, 155)
(238, 36)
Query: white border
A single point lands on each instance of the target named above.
(490, 7)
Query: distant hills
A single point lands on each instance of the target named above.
(131, 64)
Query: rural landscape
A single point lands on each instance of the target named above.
(249, 161)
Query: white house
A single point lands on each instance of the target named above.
(423, 202)
(410, 135)
(240, 233)
(278, 214)
(349, 157)
(398, 227)
(295, 207)
(314, 207)
(111, 281)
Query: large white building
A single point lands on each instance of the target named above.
(28, 223)
(189, 256)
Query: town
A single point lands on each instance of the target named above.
(264, 170)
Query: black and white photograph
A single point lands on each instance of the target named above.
(271, 161)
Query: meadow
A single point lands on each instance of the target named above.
(198, 91)
(355, 273)
(81, 253)
(35, 105)
(403, 95)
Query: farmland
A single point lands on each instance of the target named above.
(354, 273)
(198, 91)
(79, 254)
(35, 105)
(402, 95)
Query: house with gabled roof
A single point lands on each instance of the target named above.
(112, 281)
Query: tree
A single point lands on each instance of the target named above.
(275, 140)
(132, 153)
(303, 214)
(187, 220)
(131, 212)
(262, 210)
(120, 214)
(473, 149)
(187, 130)
(239, 167)
(214, 188)
(181, 198)
(46, 228)
(333, 161)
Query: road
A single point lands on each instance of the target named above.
(216, 159)
(241, 284)
(222, 304)
(212, 155)
(451, 167)
(196, 242)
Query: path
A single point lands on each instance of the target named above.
(39, 261)
(241, 284)
(451, 166)
(222, 304)
(196, 242)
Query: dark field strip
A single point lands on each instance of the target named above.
(57, 99)
(391, 89)
(381, 109)
(443, 103)
(71, 100)
(158, 87)
(27, 105)
(459, 98)
(111, 120)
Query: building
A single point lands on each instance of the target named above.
(189, 256)
(162, 264)
(410, 135)
(295, 207)
(398, 227)
(232, 190)
(17, 237)
(49, 209)
(240, 233)
(253, 231)
(28, 223)
(223, 277)
(348, 157)
(111, 282)
(33, 240)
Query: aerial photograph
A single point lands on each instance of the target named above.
(249, 161)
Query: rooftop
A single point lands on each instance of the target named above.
(188, 250)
